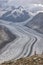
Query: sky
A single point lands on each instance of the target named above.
(25, 3)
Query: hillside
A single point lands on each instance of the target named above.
(5, 36)
(36, 23)
(33, 60)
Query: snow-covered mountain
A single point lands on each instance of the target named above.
(36, 8)
(18, 14)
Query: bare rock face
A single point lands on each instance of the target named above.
(36, 23)
(5, 36)
(33, 60)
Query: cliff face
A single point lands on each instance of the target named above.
(33, 60)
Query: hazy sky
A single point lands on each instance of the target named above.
(25, 3)
(28, 1)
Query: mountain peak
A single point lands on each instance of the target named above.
(16, 15)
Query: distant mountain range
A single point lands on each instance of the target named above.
(36, 9)
(15, 14)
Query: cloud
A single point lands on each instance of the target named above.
(27, 1)
(24, 2)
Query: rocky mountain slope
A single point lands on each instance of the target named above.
(36, 23)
